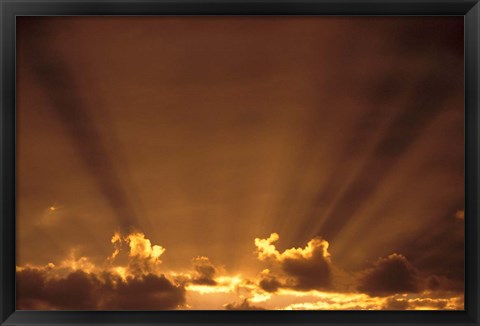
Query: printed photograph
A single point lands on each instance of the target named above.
(240, 163)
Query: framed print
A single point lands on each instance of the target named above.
(239, 162)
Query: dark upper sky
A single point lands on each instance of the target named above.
(208, 132)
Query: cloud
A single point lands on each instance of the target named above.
(304, 268)
(299, 278)
(78, 284)
(143, 257)
(390, 275)
(318, 300)
(29, 289)
(78, 290)
(142, 247)
(322, 305)
(269, 282)
(443, 283)
(266, 249)
(72, 262)
(439, 249)
(423, 303)
(395, 304)
(205, 271)
(244, 305)
(150, 292)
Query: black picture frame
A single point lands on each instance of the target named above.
(10, 9)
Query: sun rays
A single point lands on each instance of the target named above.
(240, 163)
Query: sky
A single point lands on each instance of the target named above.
(239, 163)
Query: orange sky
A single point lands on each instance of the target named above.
(240, 163)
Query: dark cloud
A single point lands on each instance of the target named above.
(443, 283)
(390, 275)
(269, 282)
(306, 273)
(29, 289)
(78, 290)
(204, 271)
(151, 292)
(301, 268)
(440, 250)
(244, 305)
(75, 291)
(395, 304)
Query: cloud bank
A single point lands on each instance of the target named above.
(132, 278)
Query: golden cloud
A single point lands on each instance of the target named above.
(299, 268)
(300, 278)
